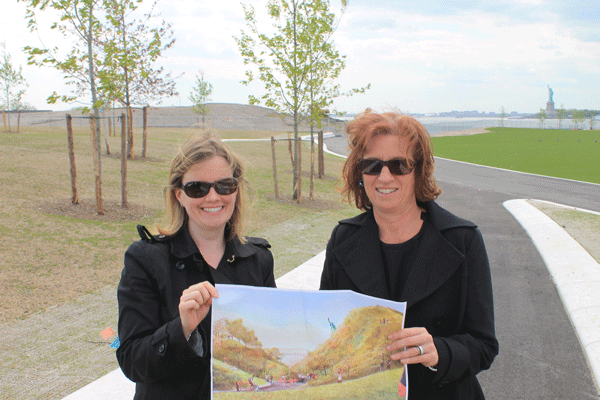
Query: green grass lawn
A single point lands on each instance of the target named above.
(559, 153)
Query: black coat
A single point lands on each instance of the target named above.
(448, 291)
(154, 352)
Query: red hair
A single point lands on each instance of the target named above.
(370, 124)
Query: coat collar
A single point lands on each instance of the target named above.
(183, 246)
(435, 262)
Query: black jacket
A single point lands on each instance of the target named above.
(448, 291)
(154, 352)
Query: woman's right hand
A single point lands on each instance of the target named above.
(194, 305)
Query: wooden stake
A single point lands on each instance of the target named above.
(123, 161)
(145, 132)
(321, 156)
(19, 122)
(274, 167)
(312, 170)
(299, 188)
(290, 149)
(4, 118)
(130, 131)
(96, 161)
(74, 196)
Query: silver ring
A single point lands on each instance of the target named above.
(420, 350)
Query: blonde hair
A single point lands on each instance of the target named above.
(370, 124)
(192, 152)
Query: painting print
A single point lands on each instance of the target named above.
(286, 344)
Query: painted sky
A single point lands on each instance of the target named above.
(283, 318)
(420, 56)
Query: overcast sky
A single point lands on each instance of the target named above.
(419, 56)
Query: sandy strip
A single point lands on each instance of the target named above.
(474, 131)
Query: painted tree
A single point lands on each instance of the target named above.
(199, 96)
(300, 44)
(12, 83)
(132, 47)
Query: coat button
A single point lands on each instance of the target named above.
(161, 348)
(179, 266)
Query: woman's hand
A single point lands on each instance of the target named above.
(405, 347)
(194, 304)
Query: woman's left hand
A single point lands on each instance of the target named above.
(405, 347)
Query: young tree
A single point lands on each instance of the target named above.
(560, 114)
(12, 83)
(502, 116)
(542, 117)
(79, 22)
(131, 52)
(578, 117)
(199, 96)
(300, 44)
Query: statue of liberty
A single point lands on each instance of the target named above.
(550, 94)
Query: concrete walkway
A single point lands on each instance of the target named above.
(575, 273)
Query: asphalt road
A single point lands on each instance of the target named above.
(540, 355)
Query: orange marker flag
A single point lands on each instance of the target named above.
(108, 332)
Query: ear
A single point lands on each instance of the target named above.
(178, 194)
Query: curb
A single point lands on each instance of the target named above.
(574, 272)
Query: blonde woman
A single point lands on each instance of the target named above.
(167, 284)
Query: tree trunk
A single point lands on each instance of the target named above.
(73, 169)
(19, 122)
(123, 161)
(274, 167)
(98, 145)
(96, 160)
(4, 118)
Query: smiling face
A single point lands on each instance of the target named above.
(211, 212)
(389, 194)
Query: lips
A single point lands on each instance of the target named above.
(212, 209)
(385, 191)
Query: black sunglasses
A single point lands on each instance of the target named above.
(373, 166)
(198, 189)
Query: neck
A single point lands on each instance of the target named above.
(210, 243)
(399, 227)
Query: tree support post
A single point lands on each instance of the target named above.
(73, 169)
(96, 160)
(312, 168)
(299, 182)
(274, 167)
(145, 132)
(123, 161)
(321, 156)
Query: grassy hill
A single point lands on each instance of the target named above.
(356, 347)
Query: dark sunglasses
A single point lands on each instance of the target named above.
(397, 166)
(198, 189)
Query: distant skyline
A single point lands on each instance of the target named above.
(419, 56)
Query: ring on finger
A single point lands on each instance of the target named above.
(420, 350)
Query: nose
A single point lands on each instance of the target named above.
(385, 174)
(212, 194)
